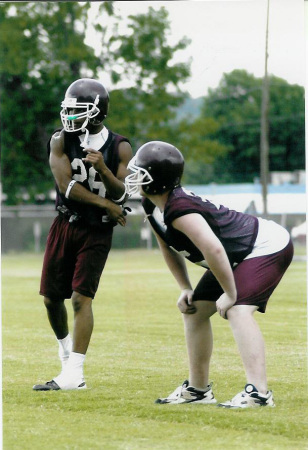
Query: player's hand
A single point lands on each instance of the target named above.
(223, 304)
(116, 213)
(95, 158)
(185, 303)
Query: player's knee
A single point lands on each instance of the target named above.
(241, 312)
(79, 301)
(51, 303)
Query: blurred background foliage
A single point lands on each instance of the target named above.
(43, 50)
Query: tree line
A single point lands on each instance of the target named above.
(43, 49)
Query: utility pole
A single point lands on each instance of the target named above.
(264, 141)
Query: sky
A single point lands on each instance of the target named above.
(231, 34)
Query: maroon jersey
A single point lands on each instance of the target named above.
(85, 174)
(236, 231)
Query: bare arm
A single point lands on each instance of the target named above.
(114, 184)
(62, 172)
(199, 232)
(177, 266)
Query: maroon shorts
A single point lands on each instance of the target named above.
(74, 259)
(255, 279)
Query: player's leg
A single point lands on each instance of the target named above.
(83, 322)
(91, 258)
(256, 279)
(198, 330)
(57, 272)
(72, 376)
(57, 316)
(199, 342)
(250, 343)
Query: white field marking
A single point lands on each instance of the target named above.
(22, 273)
(131, 271)
(32, 273)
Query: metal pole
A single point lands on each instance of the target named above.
(264, 141)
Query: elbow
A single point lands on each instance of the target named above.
(62, 187)
(65, 186)
(63, 183)
(218, 251)
(215, 252)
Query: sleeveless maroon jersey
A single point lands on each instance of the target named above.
(85, 174)
(236, 231)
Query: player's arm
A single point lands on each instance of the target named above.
(195, 227)
(177, 266)
(62, 172)
(114, 184)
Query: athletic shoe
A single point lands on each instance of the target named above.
(53, 386)
(188, 394)
(249, 398)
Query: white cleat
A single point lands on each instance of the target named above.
(188, 394)
(249, 398)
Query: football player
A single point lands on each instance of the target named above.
(245, 258)
(89, 164)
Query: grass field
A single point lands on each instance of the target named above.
(137, 353)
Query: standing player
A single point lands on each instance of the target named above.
(89, 164)
(246, 257)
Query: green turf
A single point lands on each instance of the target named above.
(137, 353)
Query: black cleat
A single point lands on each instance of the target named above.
(49, 386)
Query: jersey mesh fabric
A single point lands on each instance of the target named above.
(86, 175)
(236, 231)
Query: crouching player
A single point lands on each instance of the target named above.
(245, 257)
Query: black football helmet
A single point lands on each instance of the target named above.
(84, 99)
(157, 167)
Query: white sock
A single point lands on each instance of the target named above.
(72, 374)
(75, 362)
(65, 348)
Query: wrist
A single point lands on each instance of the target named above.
(232, 295)
(123, 197)
(103, 170)
(104, 202)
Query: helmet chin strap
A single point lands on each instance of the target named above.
(84, 142)
(84, 129)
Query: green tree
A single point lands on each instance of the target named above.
(236, 105)
(147, 108)
(42, 51)
(197, 140)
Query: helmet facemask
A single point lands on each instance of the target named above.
(157, 167)
(139, 177)
(71, 121)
